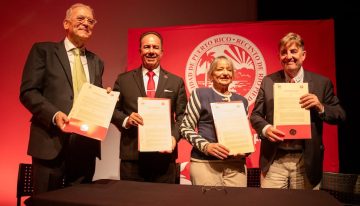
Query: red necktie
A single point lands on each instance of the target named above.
(150, 92)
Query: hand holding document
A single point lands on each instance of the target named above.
(92, 112)
(232, 127)
(155, 134)
(289, 117)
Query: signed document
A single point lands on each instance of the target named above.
(232, 126)
(92, 112)
(155, 134)
(289, 117)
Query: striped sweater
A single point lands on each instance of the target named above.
(198, 124)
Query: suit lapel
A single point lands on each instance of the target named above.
(280, 78)
(91, 66)
(138, 77)
(64, 60)
(307, 78)
(163, 77)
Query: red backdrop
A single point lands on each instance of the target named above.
(25, 22)
(253, 47)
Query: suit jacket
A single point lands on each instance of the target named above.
(131, 86)
(263, 114)
(46, 88)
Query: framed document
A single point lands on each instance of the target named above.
(92, 112)
(289, 117)
(155, 134)
(232, 126)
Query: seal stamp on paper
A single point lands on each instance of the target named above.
(292, 132)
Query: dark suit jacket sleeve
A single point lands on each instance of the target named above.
(118, 116)
(333, 112)
(180, 106)
(32, 87)
(257, 118)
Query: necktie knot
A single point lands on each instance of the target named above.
(76, 51)
(292, 80)
(150, 74)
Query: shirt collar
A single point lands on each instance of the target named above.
(299, 78)
(70, 46)
(156, 71)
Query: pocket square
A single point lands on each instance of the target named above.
(166, 90)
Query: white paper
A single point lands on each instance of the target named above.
(92, 112)
(155, 134)
(289, 117)
(232, 126)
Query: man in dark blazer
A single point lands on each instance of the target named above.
(295, 164)
(47, 92)
(147, 166)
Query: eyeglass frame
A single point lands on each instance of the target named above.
(81, 19)
(216, 187)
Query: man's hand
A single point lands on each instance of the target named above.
(108, 90)
(134, 120)
(61, 119)
(274, 135)
(309, 101)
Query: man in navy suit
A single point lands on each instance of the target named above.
(295, 164)
(147, 166)
(47, 92)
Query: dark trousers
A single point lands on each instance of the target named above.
(73, 165)
(151, 167)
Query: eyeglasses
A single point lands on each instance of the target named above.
(81, 19)
(217, 187)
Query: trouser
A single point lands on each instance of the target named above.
(219, 173)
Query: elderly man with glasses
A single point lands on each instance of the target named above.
(53, 74)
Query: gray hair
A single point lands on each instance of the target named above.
(214, 63)
(69, 11)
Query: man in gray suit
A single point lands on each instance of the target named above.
(47, 92)
(295, 164)
(147, 166)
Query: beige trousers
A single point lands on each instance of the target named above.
(287, 172)
(219, 173)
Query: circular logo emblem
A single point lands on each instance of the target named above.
(292, 132)
(249, 64)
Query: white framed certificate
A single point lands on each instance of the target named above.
(232, 126)
(92, 111)
(289, 117)
(155, 134)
